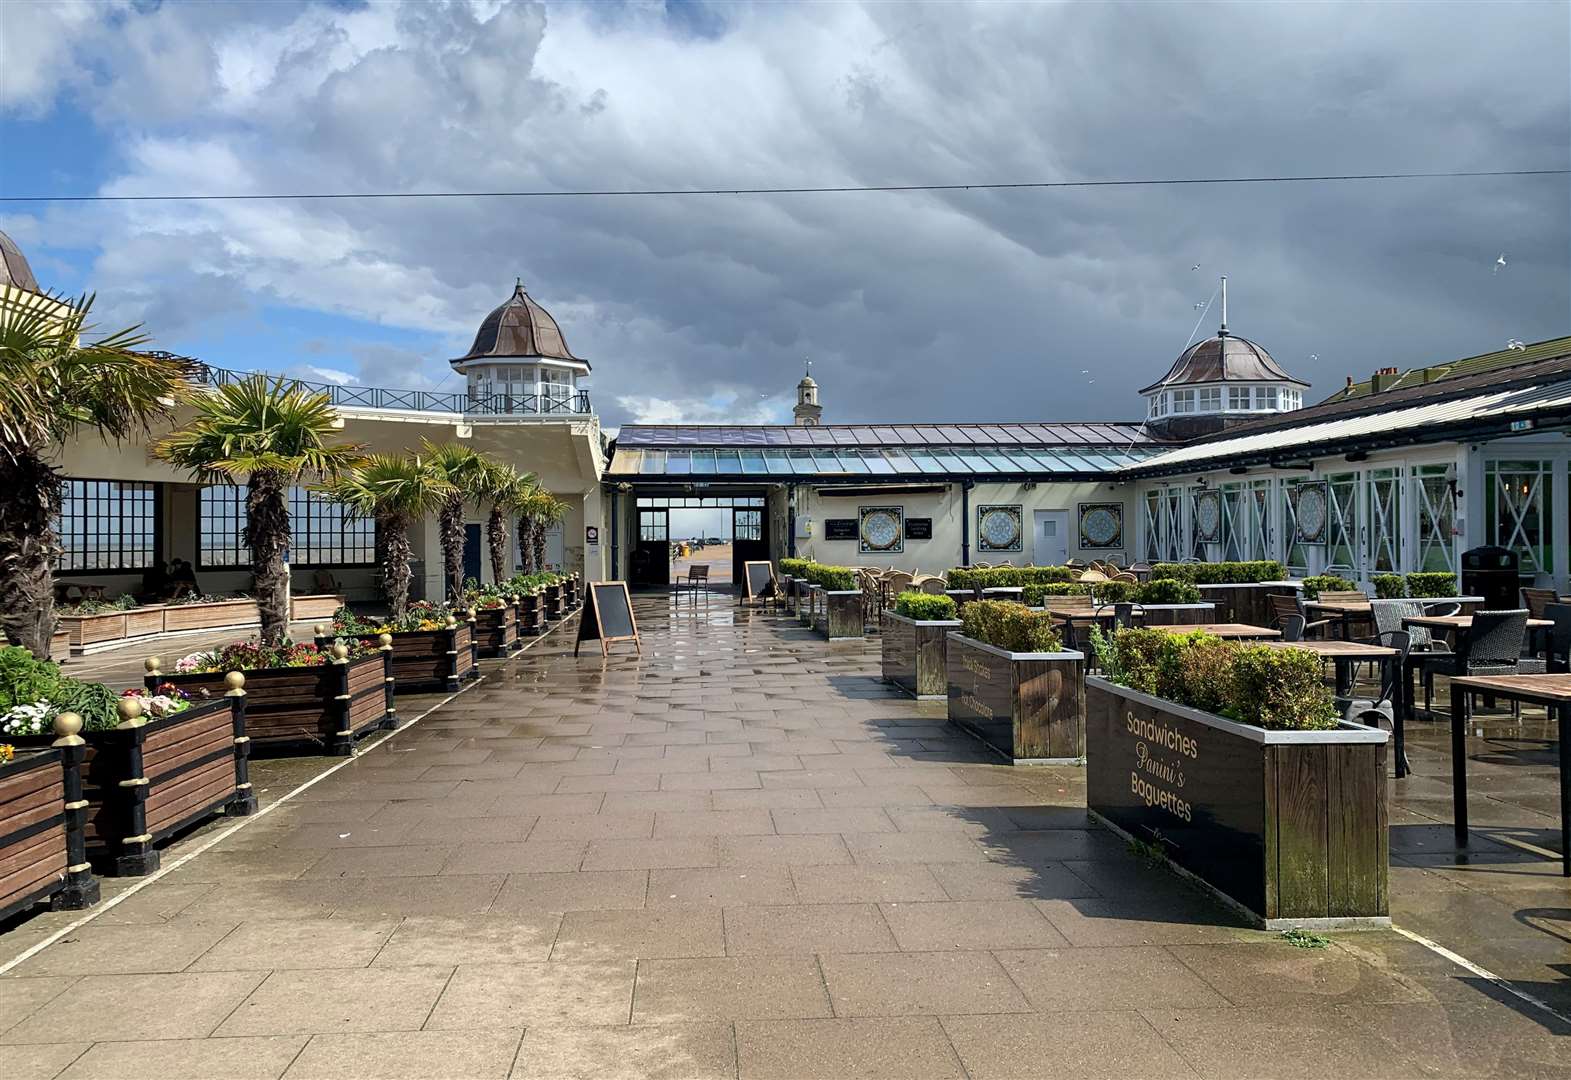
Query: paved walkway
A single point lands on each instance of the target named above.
(738, 856)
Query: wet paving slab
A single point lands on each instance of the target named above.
(740, 854)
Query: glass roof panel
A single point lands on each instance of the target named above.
(654, 462)
(1000, 462)
(703, 461)
(947, 461)
(925, 462)
(677, 461)
(854, 461)
(900, 461)
(778, 462)
(874, 461)
(626, 461)
(825, 461)
(753, 462)
(728, 462)
(975, 461)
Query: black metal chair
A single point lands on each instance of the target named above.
(1492, 647)
(1292, 627)
(1557, 658)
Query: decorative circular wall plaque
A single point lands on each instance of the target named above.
(1310, 513)
(1208, 516)
(1101, 527)
(1000, 528)
(880, 530)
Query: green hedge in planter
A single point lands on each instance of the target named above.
(1036, 595)
(924, 606)
(1221, 573)
(1389, 586)
(1277, 689)
(1168, 591)
(1314, 586)
(1004, 577)
(795, 567)
(1162, 591)
(1011, 626)
(833, 578)
(1431, 583)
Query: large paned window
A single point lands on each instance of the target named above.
(1385, 520)
(1343, 551)
(1295, 554)
(108, 525)
(1235, 524)
(747, 524)
(1434, 493)
(323, 533)
(1517, 508)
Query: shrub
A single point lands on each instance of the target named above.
(254, 655)
(922, 606)
(33, 692)
(1431, 583)
(795, 567)
(1314, 586)
(1168, 591)
(1036, 595)
(1280, 689)
(833, 578)
(1010, 626)
(1389, 586)
(99, 607)
(962, 577)
(1221, 573)
(1198, 670)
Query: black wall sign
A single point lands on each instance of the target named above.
(840, 528)
(608, 616)
(919, 528)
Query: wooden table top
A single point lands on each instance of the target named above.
(1333, 649)
(1461, 622)
(1348, 609)
(1222, 629)
(1535, 689)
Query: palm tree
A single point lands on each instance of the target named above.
(53, 386)
(272, 434)
(507, 490)
(538, 512)
(396, 492)
(463, 469)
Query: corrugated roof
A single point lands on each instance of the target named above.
(880, 435)
(1471, 365)
(1433, 419)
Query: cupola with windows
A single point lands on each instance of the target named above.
(520, 363)
(1216, 383)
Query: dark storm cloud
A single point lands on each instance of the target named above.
(963, 305)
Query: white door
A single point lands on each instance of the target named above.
(555, 556)
(1050, 537)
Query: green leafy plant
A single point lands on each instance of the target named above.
(258, 655)
(1221, 573)
(997, 577)
(207, 598)
(1010, 626)
(100, 607)
(1036, 595)
(795, 567)
(1314, 586)
(1136, 658)
(833, 578)
(924, 606)
(1389, 586)
(1168, 591)
(33, 692)
(1305, 939)
(1197, 669)
(1280, 689)
(1431, 583)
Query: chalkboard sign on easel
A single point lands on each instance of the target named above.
(758, 579)
(608, 617)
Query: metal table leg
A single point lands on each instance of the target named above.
(1399, 690)
(1459, 762)
(1562, 715)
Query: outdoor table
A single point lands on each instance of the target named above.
(1345, 613)
(1346, 656)
(1222, 630)
(1551, 691)
(1017, 593)
(1461, 624)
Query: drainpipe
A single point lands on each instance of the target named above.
(616, 532)
(965, 523)
(791, 521)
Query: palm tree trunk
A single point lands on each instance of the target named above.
(29, 547)
(496, 536)
(451, 525)
(526, 554)
(268, 534)
(397, 556)
(537, 542)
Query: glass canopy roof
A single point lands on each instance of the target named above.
(912, 461)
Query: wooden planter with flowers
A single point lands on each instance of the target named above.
(172, 762)
(496, 629)
(425, 660)
(211, 615)
(553, 602)
(330, 697)
(1287, 823)
(42, 824)
(529, 612)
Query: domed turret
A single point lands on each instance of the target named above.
(1217, 382)
(14, 270)
(807, 411)
(520, 362)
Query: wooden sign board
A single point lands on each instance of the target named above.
(758, 579)
(608, 617)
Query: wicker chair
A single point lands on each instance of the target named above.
(1557, 657)
(1492, 647)
(932, 584)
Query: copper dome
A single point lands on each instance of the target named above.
(13, 266)
(520, 329)
(1223, 358)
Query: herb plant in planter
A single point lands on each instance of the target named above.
(1011, 683)
(914, 639)
(1233, 759)
(295, 692)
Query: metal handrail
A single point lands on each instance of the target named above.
(574, 403)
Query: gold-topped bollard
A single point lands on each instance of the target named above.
(384, 643)
(243, 802)
(132, 713)
(153, 664)
(68, 726)
(235, 680)
(320, 630)
(80, 888)
(339, 652)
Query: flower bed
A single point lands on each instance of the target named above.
(914, 641)
(431, 648)
(93, 626)
(1232, 760)
(296, 693)
(496, 627)
(1011, 683)
(41, 829)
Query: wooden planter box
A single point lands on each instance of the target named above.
(571, 594)
(807, 611)
(914, 654)
(330, 704)
(1247, 603)
(530, 615)
(60, 645)
(42, 852)
(112, 627)
(314, 606)
(151, 778)
(553, 602)
(1288, 826)
(496, 631)
(216, 615)
(839, 615)
(1030, 707)
(429, 659)
(1182, 614)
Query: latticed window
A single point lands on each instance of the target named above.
(1434, 492)
(107, 525)
(1517, 508)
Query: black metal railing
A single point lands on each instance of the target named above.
(570, 403)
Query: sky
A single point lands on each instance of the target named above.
(979, 305)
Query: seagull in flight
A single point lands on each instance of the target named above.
(1195, 267)
(1500, 262)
